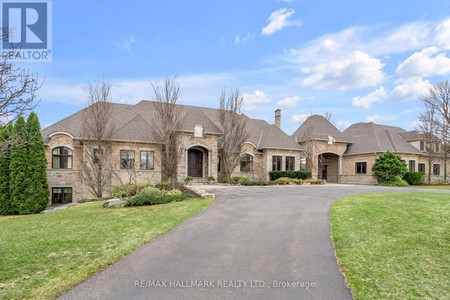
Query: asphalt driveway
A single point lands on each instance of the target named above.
(252, 243)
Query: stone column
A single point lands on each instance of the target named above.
(209, 163)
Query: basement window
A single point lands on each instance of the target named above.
(61, 195)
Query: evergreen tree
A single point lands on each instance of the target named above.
(36, 192)
(18, 166)
(389, 167)
(5, 194)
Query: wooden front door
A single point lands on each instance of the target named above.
(325, 172)
(195, 163)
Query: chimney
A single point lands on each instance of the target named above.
(278, 117)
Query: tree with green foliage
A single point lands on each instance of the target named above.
(36, 192)
(5, 194)
(389, 167)
(18, 166)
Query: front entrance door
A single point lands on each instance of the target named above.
(195, 163)
(324, 172)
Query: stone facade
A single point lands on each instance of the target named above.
(72, 178)
(340, 167)
(208, 145)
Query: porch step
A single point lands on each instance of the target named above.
(199, 181)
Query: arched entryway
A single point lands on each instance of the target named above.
(329, 166)
(198, 162)
(195, 163)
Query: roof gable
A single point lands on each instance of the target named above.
(318, 127)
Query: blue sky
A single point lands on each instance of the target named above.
(360, 60)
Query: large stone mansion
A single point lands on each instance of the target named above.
(340, 157)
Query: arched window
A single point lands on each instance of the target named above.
(246, 163)
(62, 158)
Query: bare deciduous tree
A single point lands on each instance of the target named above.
(438, 100)
(166, 127)
(311, 148)
(427, 127)
(234, 128)
(18, 87)
(127, 172)
(98, 128)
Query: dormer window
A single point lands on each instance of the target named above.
(422, 146)
(198, 131)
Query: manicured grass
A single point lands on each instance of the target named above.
(41, 256)
(394, 246)
(433, 187)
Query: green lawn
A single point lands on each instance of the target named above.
(433, 187)
(394, 246)
(41, 256)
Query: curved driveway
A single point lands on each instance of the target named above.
(249, 238)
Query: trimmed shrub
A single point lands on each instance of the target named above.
(253, 183)
(414, 178)
(211, 178)
(150, 191)
(244, 180)
(274, 175)
(130, 189)
(284, 180)
(162, 185)
(314, 181)
(395, 182)
(174, 193)
(144, 199)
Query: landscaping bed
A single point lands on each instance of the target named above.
(393, 246)
(42, 256)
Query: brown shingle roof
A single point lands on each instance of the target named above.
(320, 128)
(132, 123)
(370, 137)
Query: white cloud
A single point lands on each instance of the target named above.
(409, 89)
(278, 20)
(126, 44)
(376, 96)
(242, 37)
(253, 101)
(425, 63)
(292, 101)
(442, 32)
(342, 125)
(55, 90)
(416, 124)
(374, 41)
(194, 89)
(357, 70)
(300, 118)
(286, 1)
(381, 118)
